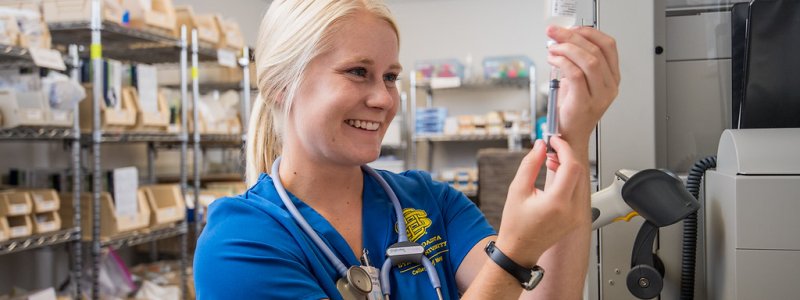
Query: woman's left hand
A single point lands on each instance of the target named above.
(589, 66)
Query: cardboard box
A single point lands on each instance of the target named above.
(44, 200)
(41, 38)
(19, 226)
(228, 188)
(234, 126)
(4, 230)
(60, 117)
(206, 25)
(111, 119)
(15, 203)
(23, 109)
(166, 203)
(9, 30)
(148, 121)
(152, 14)
(46, 222)
(110, 223)
(230, 36)
(56, 11)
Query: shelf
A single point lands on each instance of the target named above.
(207, 141)
(393, 147)
(214, 86)
(481, 84)
(205, 178)
(15, 57)
(144, 236)
(38, 241)
(465, 138)
(125, 43)
(37, 134)
(134, 137)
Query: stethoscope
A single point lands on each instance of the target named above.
(355, 282)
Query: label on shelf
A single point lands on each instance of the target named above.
(45, 205)
(60, 115)
(48, 58)
(18, 209)
(169, 211)
(47, 226)
(445, 82)
(19, 231)
(34, 114)
(226, 58)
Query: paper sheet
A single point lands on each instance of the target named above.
(126, 182)
(147, 81)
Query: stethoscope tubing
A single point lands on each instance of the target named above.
(337, 263)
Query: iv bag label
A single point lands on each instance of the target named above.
(563, 8)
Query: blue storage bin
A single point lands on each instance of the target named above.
(430, 120)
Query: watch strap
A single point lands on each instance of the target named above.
(528, 278)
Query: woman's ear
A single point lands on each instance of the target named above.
(280, 99)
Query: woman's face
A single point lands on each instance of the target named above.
(348, 97)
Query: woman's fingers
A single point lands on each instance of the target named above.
(607, 44)
(525, 179)
(569, 70)
(567, 174)
(588, 56)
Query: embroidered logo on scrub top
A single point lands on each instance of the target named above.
(417, 223)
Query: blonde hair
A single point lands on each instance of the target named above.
(292, 33)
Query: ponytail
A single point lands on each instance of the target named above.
(263, 141)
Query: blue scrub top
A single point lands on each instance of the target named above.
(252, 248)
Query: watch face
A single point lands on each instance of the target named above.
(537, 273)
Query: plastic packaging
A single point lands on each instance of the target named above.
(502, 67)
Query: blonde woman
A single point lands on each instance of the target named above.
(326, 76)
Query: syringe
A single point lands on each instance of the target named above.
(552, 108)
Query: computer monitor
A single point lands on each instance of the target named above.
(769, 94)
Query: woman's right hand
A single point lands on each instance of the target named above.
(534, 220)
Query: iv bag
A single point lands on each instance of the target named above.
(560, 12)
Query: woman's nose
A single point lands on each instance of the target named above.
(382, 97)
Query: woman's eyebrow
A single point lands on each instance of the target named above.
(367, 61)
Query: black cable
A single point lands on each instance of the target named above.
(690, 227)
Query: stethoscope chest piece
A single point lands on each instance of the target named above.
(356, 285)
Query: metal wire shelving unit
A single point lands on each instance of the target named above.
(13, 57)
(103, 39)
(107, 40)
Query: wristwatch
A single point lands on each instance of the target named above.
(528, 278)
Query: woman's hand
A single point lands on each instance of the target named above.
(590, 79)
(534, 220)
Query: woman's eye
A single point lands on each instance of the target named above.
(390, 77)
(360, 72)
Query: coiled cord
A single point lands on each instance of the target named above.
(690, 228)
